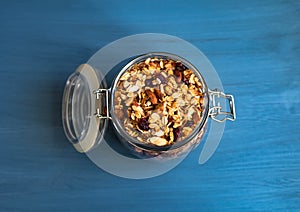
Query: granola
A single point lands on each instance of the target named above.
(159, 101)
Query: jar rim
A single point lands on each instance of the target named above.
(143, 145)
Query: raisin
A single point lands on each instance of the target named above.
(143, 123)
(176, 132)
(148, 82)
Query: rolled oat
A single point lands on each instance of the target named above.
(159, 101)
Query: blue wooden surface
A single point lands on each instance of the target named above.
(254, 46)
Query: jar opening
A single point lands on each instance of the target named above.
(143, 83)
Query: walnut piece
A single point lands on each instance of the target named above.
(159, 101)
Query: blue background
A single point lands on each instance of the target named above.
(255, 48)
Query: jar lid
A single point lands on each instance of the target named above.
(80, 105)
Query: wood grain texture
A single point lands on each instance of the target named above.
(255, 48)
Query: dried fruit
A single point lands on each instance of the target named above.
(148, 82)
(162, 100)
(143, 123)
(176, 132)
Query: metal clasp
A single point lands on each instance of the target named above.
(100, 95)
(215, 112)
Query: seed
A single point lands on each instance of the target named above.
(161, 64)
(160, 96)
(148, 60)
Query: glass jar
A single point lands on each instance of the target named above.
(88, 106)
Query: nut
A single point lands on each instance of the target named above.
(160, 100)
(152, 97)
(158, 94)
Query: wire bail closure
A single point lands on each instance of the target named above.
(102, 112)
(215, 112)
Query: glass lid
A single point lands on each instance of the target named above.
(80, 105)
